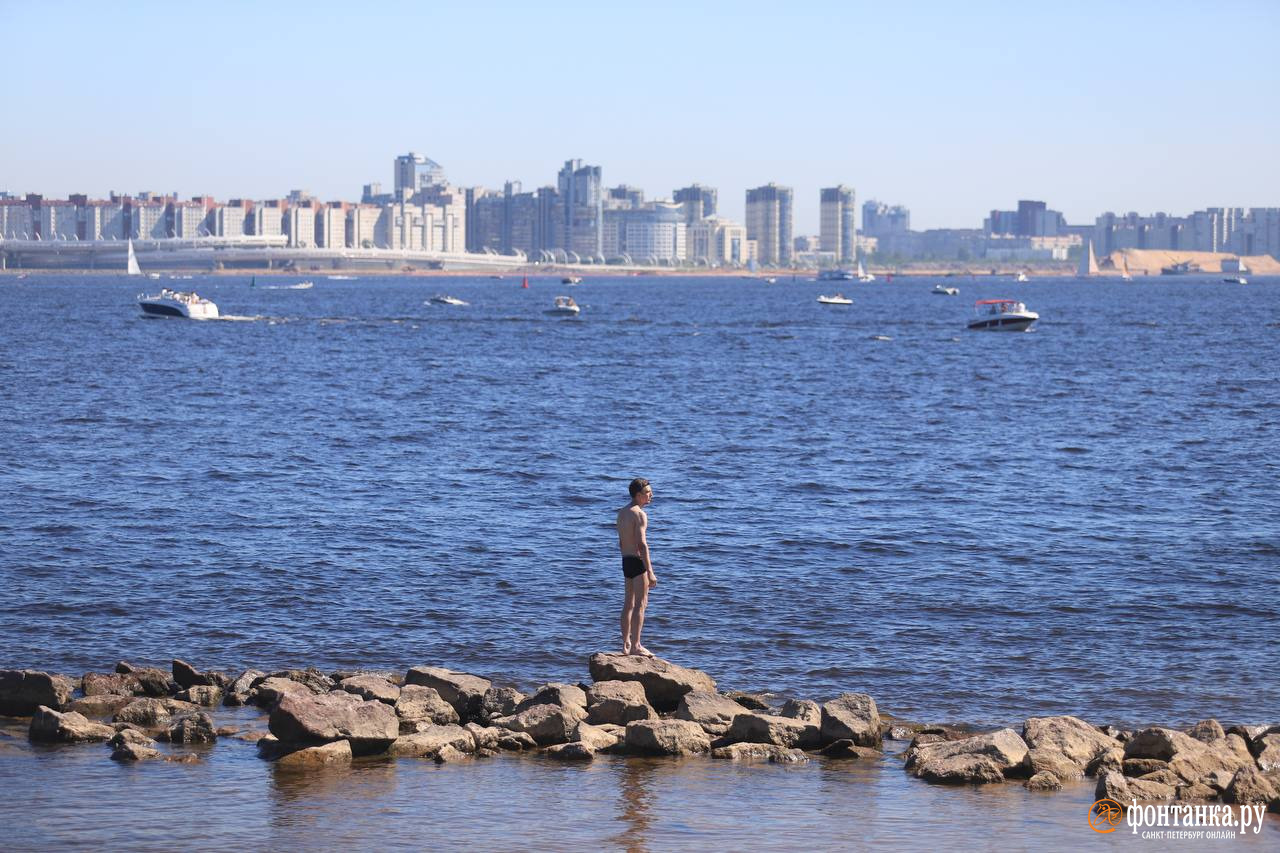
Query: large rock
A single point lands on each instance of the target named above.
(153, 682)
(23, 691)
(99, 705)
(201, 694)
(115, 683)
(546, 724)
(619, 702)
(1077, 742)
(1044, 781)
(666, 737)
(788, 732)
(555, 694)
(188, 676)
(334, 752)
(852, 716)
(135, 752)
(1192, 760)
(664, 682)
(153, 713)
(371, 687)
(1113, 786)
(464, 692)
(1207, 731)
(759, 752)
(370, 726)
(1052, 761)
(426, 744)
(710, 710)
(595, 738)
(572, 751)
(418, 703)
(980, 759)
(240, 691)
(315, 680)
(802, 709)
(270, 690)
(55, 727)
(1252, 786)
(197, 728)
(1160, 743)
(134, 736)
(499, 702)
(1267, 751)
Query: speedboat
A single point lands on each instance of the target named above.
(442, 299)
(770, 280)
(835, 299)
(1001, 315)
(1236, 279)
(836, 275)
(565, 306)
(943, 290)
(1021, 277)
(176, 303)
(571, 279)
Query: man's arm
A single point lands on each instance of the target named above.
(642, 546)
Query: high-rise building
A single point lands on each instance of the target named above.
(415, 172)
(699, 202)
(769, 223)
(836, 219)
(881, 220)
(582, 197)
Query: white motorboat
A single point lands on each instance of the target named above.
(1001, 315)
(177, 303)
(565, 306)
(770, 280)
(1021, 277)
(1236, 279)
(442, 299)
(571, 279)
(835, 299)
(341, 277)
(943, 290)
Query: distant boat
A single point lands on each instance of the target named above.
(341, 277)
(1088, 262)
(176, 303)
(1124, 267)
(571, 279)
(565, 306)
(863, 275)
(131, 266)
(836, 275)
(442, 299)
(1001, 315)
(1236, 279)
(769, 280)
(835, 299)
(1184, 268)
(942, 290)
(1020, 277)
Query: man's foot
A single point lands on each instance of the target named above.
(641, 651)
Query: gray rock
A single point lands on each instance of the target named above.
(104, 684)
(371, 687)
(980, 759)
(53, 726)
(516, 741)
(240, 691)
(135, 752)
(1043, 781)
(271, 690)
(336, 752)
(134, 736)
(852, 716)
(202, 694)
(424, 703)
(99, 705)
(789, 732)
(151, 681)
(448, 754)
(1057, 742)
(464, 692)
(1207, 731)
(745, 751)
(596, 739)
(750, 701)
(314, 680)
(485, 737)
(802, 709)
(708, 709)
(427, 744)
(23, 691)
(197, 728)
(153, 713)
(370, 726)
(619, 703)
(666, 737)
(664, 682)
(499, 702)
(546, 724)
(555, 694)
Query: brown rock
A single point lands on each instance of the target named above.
(1043, 781)
(845, 748)
(197, 728)
(134, 752)
(664, 682)
(310, 757)
(99, 705)
(99, 684)
(1251, 785)
(666, 737)
(464, 692)
(555, 694)
(516, 741)
(1207, 731)
(981, 758)
(1050, 760)
(370, 726)
(272, 689)
(1164, 777)
(596, 739)
(23, 691)
(754, 727)
(426, 744)
(499, 702)
(153, 713)
(750, 701)
(448, 754)
(853, 716)
(133, 736)
(424, 703)
(546, 724)
(240, 691)
(313, 679)
(202, 694)
(485, 737)
(708, 709)
(1160, 743)
(1196, 792)
(802, 709)
(1112, 759)
(1142, 766)
(745, 751)
(1077, 742)
(573, 751)
(374, 688)
(1113, 786)
(53, 726)
(1268, 751)
(619, 702)
(1142, 789)
(188, 676)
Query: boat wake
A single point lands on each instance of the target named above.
(305, 285)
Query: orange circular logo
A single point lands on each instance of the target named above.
(1105, 815)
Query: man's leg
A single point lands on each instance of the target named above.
(628, 605)
(638, 589)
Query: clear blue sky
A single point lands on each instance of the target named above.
(949, 108)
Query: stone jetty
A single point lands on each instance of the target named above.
(632, 706)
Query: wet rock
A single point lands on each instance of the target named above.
(619, 702)
(202, 694)
(188, 676)
(750, 701)
(133, 736)
(555, 694)
(424, 703)
(745, 751)
(448, 754)
(980, 759)
(664, 682)
(23, 691)
(1043, 781)
(845, 748)
(52, 726)
(1251, 785)
(100, 684)
(1249, 733)
(1207, 731)
(708, 709)
(546, 724)
(135, 752)
(370, 726)
(197, 728)
(270, 690)
(427, 743)
(802, 709)
(516, 741)
(99, 705)
(666, 737)
(901, 732)
(335, 752)
(754, 727)
(572, 751)
(499, 702)
(240, 691)
(1075, 742)
(1053, 761)
(1192, 760)
(153, 713)
(852, 716)
(371, 687)
(596, 739)
(464, 692)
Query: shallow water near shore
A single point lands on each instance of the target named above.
(969, 527)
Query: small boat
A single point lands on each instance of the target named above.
(1183, 268)
(1124, 269)
(1236, 279)
(571, 279)
(341, 277)
(836, 275)
(943, 290)
(131, 265)
(497, 277)
(864, 276)
(176, 303)
(1021, 277)
(443, 299)
(770, 280)
(835, 299)
(302, 285)
(1001, 315)
(565, 306)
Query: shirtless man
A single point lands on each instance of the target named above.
(636, 566)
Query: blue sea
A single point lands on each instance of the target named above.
(971, 527)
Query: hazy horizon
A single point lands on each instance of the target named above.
(949, 111)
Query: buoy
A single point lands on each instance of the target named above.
(525, 283)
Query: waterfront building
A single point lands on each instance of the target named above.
(836, 221)
(331, 225)
(362, 225)
(187, 219)
(266, 219)
(699, 202)
(487, 217)
(58, 221)
(882, 220)
(300, 225)
(100, 220)
(229, 219)
(582, 204)
(149, 218)
(1259, 233)
(414, 172)
(1031, 219)
(16, 219)
(623, 197)
(444, 216)
(652, 233)
(719, 242)
(769, 223)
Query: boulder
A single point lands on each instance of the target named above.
(596, 739)
(1043, 781)
(1251, 785)
(427, 743)
(197, 728)
(1194, 761)
(1196, 792)
(666, 737)
(152, 682)
(1142, 766)
(499, 702)
(374, 688)
(1207, 731)
(134, 752)
(1267, 751)
(485, 737)
(424, 703)
(619, 703)
(1164, 777)
(133, 736)
(981, 758)
(1112, 759)
(188, 676)
(846, 748)
(1145, 789)
(272, 689)
(750, 701)
(708, 709)
(755, 727)
(572, 751)
(555, 694)
(1050, 760)
(802, 709)
(516, 741)
(464, 692)
(153, 713)
(370, 726)
(202, 694)
(448, 754)
(56, 727)
(901, 732)
(314, 680)
(1113, 786)
(745, 751)
(1159, 743)
(852, 716)
(24, 691)
(101, 684)
(664, 682)
(334, 752)
(546, 724)
(1075, 741)
(240, 691)
(99, 705)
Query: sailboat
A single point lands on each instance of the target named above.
(1088, 262)
(1124, 266)
(132, 268)
(863, 275)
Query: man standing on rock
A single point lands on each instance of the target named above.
(637, 570)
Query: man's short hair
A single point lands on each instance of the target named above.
(638, 485)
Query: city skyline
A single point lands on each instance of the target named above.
(948, 113)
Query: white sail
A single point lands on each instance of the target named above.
(133, 268)
(1088, 261)
(1124, 264)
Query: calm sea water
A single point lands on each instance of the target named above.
(976, 527)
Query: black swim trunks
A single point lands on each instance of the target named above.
(632, 567)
